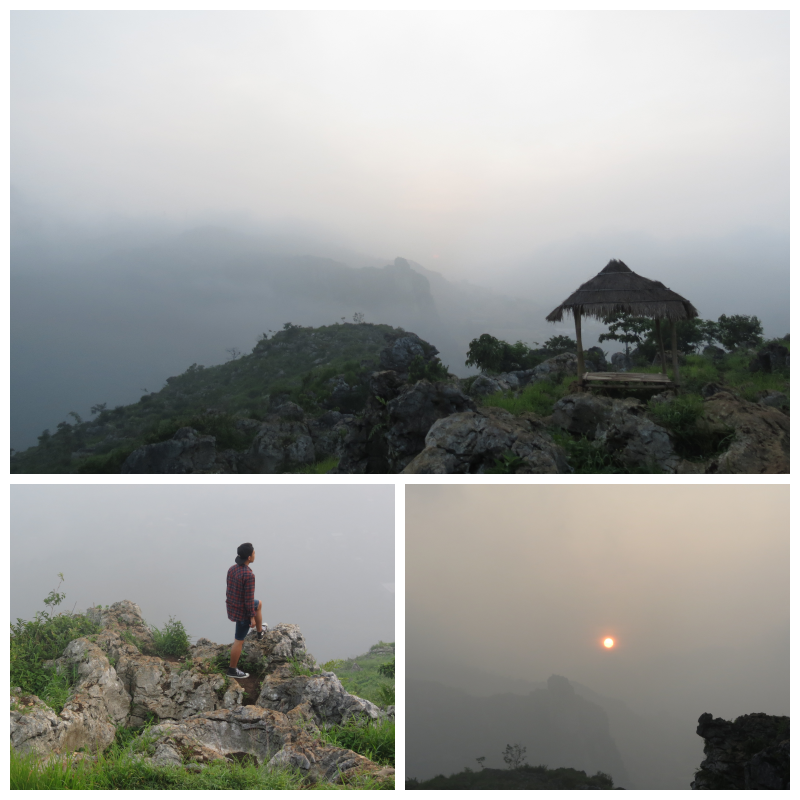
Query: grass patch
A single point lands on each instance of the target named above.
(320, 468)
(537, 398)
(683, 418)
(122, 769)
(363, 675)
(371, 738)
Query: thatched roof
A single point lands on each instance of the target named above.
(618, 289)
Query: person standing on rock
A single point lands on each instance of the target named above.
(243, 608)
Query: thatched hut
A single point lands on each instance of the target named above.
(616, 289)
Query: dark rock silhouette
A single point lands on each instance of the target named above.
(752, 752)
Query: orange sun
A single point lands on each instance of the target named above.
(608, 643)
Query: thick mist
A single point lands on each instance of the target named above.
(508, 585)
(324, 555)
(185, 181)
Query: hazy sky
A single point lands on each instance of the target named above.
(450, 138)
(324, 555)
(525, 581)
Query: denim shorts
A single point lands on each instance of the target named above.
(242, 628)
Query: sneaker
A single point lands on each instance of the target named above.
(234, 672)
(260, 635)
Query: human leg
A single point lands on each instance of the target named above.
(258, 616)
(236, 651)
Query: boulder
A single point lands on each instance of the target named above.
(760, 435)
(581, 413)
(556, 368)
(412, 412)
(638, 441)
(402, 350)
(261, 736)
(597, 358)
(621, 362)
(186, 452)
(751, 752)
(280, 445)
(484, 385)
(774, 399)
(621, 427)
(713, 352)
(773, 357)
(328, 433)
(472, 441)
(96, 706)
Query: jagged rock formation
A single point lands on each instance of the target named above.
(752, 752)
(202, 714)
(472, 441)
(760, 435)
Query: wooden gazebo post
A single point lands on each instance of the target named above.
(676, 376)
(577, 314)
(660, 339)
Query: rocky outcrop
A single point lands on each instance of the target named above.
(403, 349)
(472, 441)
(261, 736)
(760, 442)
(621, 427)
(621, 362)
(203, 715)
(752, 752)
(773, 357)
(397, 418)
(186, 452)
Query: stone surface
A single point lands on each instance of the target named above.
(621, 362)
(202, 714)
(186, 452)
(773, 357)
(713, 352)
(598, 359)
(472, 441)
(752, 752)
(621, 427)
(262, 736)
(760, 442)
(556, 368)
(774, 399)
(400, 352)
(280, 445)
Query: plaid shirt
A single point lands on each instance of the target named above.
(239, 595)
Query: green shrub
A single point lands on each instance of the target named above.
(536, 398)
(41, 639)
(432, 371)
(693, 437)
(171, 640)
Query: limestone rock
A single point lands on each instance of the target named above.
(760, 435)
(402, 350)
(752, 752)
(774, 399)
(557, 367)
(186, 452)
(471, 441)
(260, 734)
(411, 414)
(279, 445)
(773, 357)
(713, 352)
(581, 413)
(598, 359)
(484, 385)
(321, 695)
(621, 362)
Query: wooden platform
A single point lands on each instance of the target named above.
(632, 380)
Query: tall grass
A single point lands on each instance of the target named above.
(537, 398)
(123, 769)
(371, 738)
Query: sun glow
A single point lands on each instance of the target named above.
(608, 643)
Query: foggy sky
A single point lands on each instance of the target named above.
(324, 555)
(525, 581)
(456, 139)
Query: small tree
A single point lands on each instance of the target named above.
(233, 353)
(627, 329)
(514, 755)
(737, 330)
(358, 317)
(99, 408)
(561, 344)
(480, 760)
